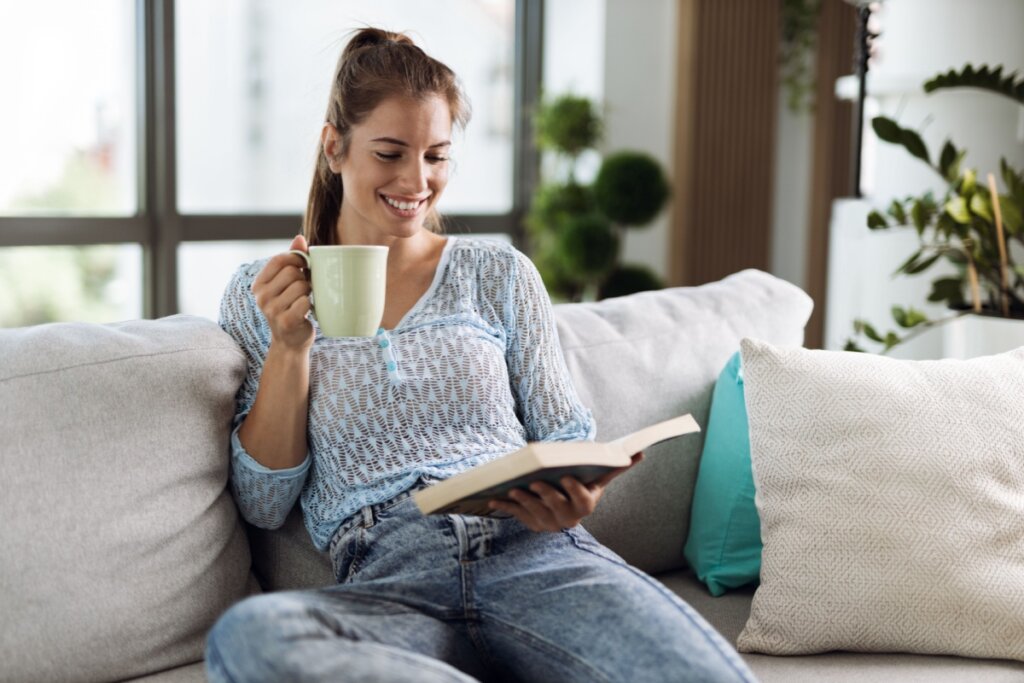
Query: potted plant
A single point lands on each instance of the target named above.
(576, 229)
(975, 225)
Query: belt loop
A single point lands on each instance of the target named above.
(368, 520)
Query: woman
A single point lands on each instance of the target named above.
(466, 367)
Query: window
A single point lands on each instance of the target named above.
(179, 143)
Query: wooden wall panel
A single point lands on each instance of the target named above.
(725, 138)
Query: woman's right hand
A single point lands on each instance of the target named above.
(282, 293)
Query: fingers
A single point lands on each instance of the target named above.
(299, 243)
(546, 508)
(275, 265)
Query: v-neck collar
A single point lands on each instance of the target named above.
(442, 265)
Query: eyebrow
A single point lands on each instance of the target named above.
(395, 141)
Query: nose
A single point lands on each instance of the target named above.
(414, 178)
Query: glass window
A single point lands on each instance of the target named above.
(67, 128)
(99, 284)
(253, 79)
(204, 269)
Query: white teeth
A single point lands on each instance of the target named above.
(403, 206)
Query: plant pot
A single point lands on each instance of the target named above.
(966, 336)
(973, 335)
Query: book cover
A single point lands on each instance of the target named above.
(469, 492)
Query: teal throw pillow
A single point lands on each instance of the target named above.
(724, 545)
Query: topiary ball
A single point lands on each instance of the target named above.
(567, 124)
(555, 203)
(630, 188)
(628, 280)
(588, 245)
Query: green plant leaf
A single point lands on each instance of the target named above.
(949, 162)
(870, 332)
(909, 317)
(919, 215)
(886, 129)
(896, 211)
(1014, 181)
(921, 266)
(876, 221)
(1013, 222)
(909, 263)
(852, 347)
(949, 289)
(991, 80)
(914, 144)
(891, 340)
(981, 206)
(945, 226)
(969, 182)
(957, 210)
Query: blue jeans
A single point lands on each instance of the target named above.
(457, 598)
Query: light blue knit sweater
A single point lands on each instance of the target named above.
(473, 371)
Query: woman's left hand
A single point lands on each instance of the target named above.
(545, 508)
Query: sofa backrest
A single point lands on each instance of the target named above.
(643, 358)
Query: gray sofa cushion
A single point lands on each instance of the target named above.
(647, 357)
(635, 360)
(120, 544)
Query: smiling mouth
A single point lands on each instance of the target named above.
(403, 208)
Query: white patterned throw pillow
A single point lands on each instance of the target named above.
(891, 497)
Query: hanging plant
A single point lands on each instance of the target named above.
(796, 52)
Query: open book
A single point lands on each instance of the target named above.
(469, 492)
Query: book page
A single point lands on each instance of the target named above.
(656, 433)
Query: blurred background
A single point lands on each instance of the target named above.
(149, 147)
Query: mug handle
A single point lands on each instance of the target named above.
(309, 264)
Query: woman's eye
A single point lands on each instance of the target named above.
(437, 160)
(387, 157)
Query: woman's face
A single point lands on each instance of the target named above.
(395, 169)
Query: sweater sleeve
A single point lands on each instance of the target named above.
(264, 495)
(549, 406)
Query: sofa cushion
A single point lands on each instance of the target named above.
(891, 496)
(724, 543)
(639, 359)
(121, 544)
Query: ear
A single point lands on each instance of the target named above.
(330, 138)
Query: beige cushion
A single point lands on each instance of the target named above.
(120, 544)
(891, 496)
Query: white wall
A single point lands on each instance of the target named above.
(792, 196)
(639, 89)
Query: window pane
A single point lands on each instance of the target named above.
(254, 76)
(99, 284)
(204, 269)
(67, 128)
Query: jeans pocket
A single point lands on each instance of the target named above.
(347, 552)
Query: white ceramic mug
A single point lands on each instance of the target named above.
(348, 288)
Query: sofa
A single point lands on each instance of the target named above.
(120, 544)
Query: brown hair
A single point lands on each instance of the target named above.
(374, 66)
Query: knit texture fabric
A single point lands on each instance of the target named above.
(473, 371)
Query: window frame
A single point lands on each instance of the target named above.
(158, 226)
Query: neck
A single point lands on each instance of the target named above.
(404, 252)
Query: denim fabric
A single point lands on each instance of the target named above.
(460, 598)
